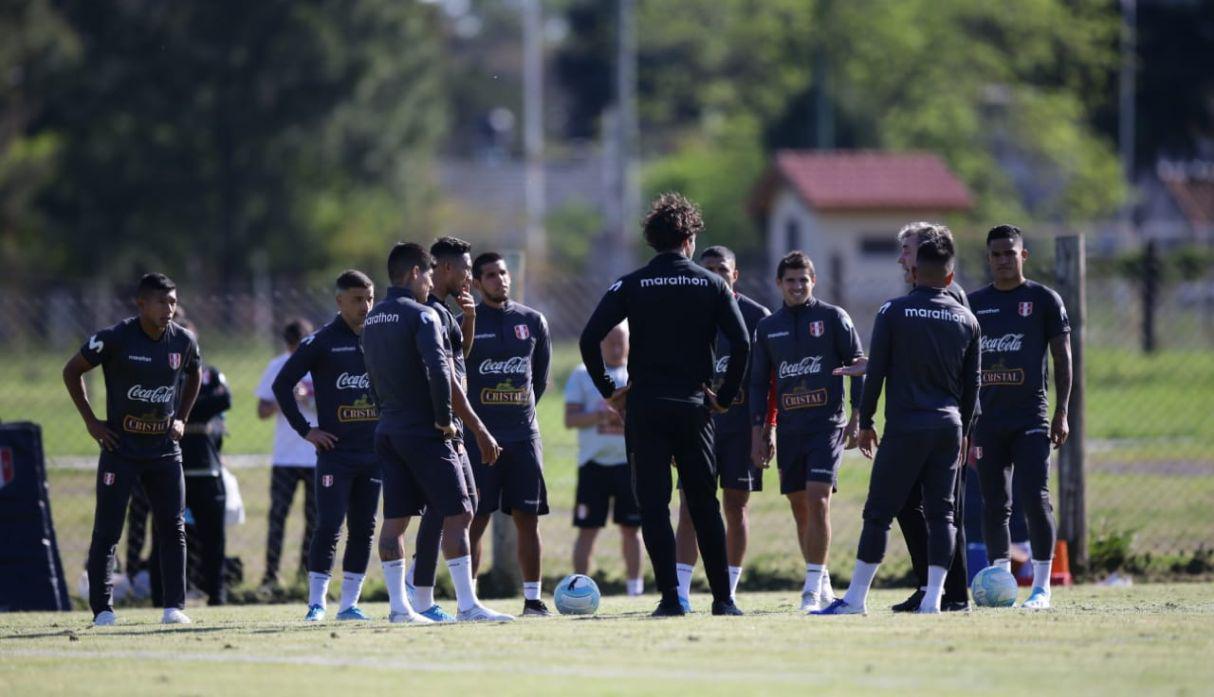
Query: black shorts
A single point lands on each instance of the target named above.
(734, 467)
(420, 471)
(805, 458)
(515, 482)
(597, 485)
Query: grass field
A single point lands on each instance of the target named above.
(1099, 641)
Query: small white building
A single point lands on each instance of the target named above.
(844, 209)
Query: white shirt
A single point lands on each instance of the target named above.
(603, 444)
(290, 450)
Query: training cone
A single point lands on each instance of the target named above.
(1060, 571)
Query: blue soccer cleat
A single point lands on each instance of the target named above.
(840, 607)
(1039, 599)
(435, 613)
(316, 613)
(686, 604)
(352, 614)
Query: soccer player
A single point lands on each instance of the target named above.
(911, 518)
(348, 476)
(452, 274)
(675, 309)
(737, 474)
(411, 378)
(602, 473)
(145, 360)
(801, 345)
(293, 459)
(1020, 319)
(926, 344)
(509, 374)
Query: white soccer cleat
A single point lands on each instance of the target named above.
(106, 618)
(811, 602)
(840, 607)
(174, 616)
(480, 613)
(1039, 599)
(408, 618)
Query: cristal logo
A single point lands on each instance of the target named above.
(153, 395)
(518, 365)
(346, 381)
(1001, 344)
(810, 365)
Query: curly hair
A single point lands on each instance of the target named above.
(671, 220)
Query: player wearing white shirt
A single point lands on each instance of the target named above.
(293, 460)
(603, 472)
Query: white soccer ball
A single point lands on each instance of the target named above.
(576, 595)
(994, 587)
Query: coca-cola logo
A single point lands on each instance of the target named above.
(152, 395)
(722, 364)
(346, 381)
(518, 365)
(810, 365)
(1002, 344)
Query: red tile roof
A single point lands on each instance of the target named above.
(862, 180)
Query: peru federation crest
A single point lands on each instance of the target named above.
(522, 331)
(817, 328)
(174, 360)
(326, 481)
(1025, 309)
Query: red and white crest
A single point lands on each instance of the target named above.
(8, 468)
(1025, 309)
(817, 328)
(522, 331)
(326, 481)
(107, 478)
(174, 360)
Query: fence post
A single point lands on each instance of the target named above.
(1150, 295)
(1070, 271)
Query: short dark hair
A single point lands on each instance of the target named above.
(934, 259)
(403, 257)
(296, 330)
(671, 220)
(155, 283)
(445, 247)
(719, 251)
(484, 259)
(796, 260)
(353, 278)
(1004, 232)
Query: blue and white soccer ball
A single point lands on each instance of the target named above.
(576, 595)
(994, 587)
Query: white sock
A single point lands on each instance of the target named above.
(318, 588)
(935, 588)
(531, 590)
(1041, 573)
(424, 596)
(824, 588)
(684, 572)
(409, 573)
(813, 579)
(394, 579)
(461, 577)
(861, 580)
(636, 586)
(1005, 564)
(735, 574)
(351, 589)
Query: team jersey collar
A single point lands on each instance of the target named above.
(395, 292)
(798, 309)
(928, 290)
(667, 258)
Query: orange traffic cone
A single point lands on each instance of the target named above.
(1060, 571)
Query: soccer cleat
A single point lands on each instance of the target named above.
(437, 614)
(840, 607)
(105, 618)
(480, 613)
(535, 608)
(811, 602)
(1039, 599)
(955, 606)
(669, 608)
(352, 614)
(174, 616)
(726, 608)
(911, 604)
(316, 613)
(685, 603)
(407, 618)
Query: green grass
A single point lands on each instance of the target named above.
(1098, 641)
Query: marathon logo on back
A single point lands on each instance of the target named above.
(346, 381)
(809, 365)
(506, 395)
(925, 313)
(152, 395)
(361, 410)
(1008, 343)
(803, 399)
(517, 365)
(661, 281)
(382, 318)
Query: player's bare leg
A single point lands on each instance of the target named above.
(630, 548)
(457, 548)
(816, 544)
(583, 549)
(392, 558)
(476, 533)
(530, 553)
(737, 528)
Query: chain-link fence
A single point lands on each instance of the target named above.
(1150, 472)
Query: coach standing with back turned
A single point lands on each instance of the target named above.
(675, 308)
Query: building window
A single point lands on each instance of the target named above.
(879, 245)
(792, 234)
